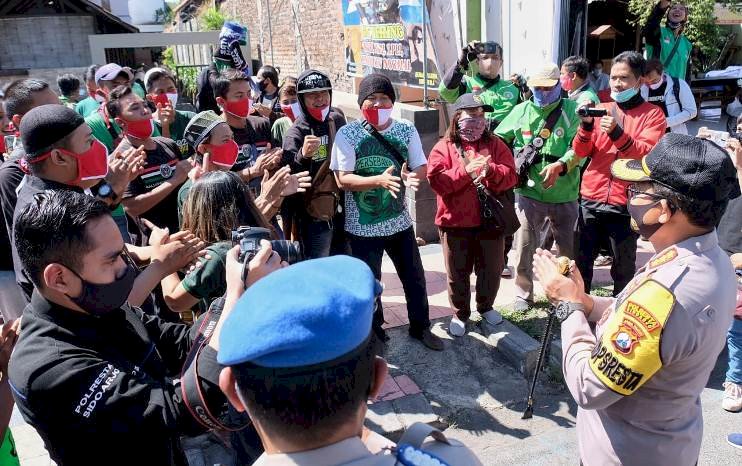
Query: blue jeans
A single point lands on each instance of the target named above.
(734, 344)
(316, 237)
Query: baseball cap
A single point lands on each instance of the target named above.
(200, 126)
(470, 100)
(110, 71)
(302, 315)
(695, 167)
(313, 81)
(544, 76)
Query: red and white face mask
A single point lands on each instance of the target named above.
(91, 164)
(140, 129)
(319, 114)
(165, 99)
(224, 155)
(239, 108)
(377, 116)
(292, 111)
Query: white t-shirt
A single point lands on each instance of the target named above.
(375, 212)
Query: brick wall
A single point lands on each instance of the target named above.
(45, 41)
(314, 41)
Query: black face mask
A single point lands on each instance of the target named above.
(637, 219)
(100, 299)
(262, 85)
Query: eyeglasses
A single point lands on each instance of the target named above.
(632, 191)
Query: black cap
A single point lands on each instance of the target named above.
(373, 83)
(46, 125)
(313, 81)
(695, 167)
(471, 101)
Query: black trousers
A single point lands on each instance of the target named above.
(593, 226)
(404, 253)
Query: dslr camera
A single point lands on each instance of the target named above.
(248, 238)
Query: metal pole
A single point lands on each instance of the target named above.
(425, 55)
(270, 29)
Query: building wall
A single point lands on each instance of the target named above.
(47, 74)
(314, 40)
(45, 41)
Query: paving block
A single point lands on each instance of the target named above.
(517, 347)
(389, 390)
(408, 386)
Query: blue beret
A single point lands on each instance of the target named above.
(311, 312)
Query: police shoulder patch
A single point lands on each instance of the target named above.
(628, 352)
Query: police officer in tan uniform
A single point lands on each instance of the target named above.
(637, 378)
(300, 359)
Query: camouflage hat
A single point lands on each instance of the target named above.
(200, 126)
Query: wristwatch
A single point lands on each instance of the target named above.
(565, 308)
(105, 191)
(564, 168)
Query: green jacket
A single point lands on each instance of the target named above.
(585, 94)
(678, 66)
(524, 123)
(502, 96)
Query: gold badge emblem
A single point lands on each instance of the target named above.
(545, 133)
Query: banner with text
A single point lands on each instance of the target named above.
(387, 37)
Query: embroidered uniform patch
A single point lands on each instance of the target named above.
(628, 352)
(663, 258)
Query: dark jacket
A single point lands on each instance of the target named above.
(305, 125)
(99, 390)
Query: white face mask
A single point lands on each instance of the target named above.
(656, 85)
(173, 98)
(99, 98)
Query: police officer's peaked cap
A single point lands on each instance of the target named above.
(696, 167)
(305, 314)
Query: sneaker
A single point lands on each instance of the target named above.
(428, 339)
(732, 397)
(506, 272)
(602, 261)
(735, 440)
(456, 327)
(492, 317)
(520, 305)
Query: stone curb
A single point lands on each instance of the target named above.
(519, 348)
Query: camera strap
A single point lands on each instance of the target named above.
(190, 386)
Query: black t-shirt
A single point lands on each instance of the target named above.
(159, 168)
(730, 227)
(657, 97)
(252, 140)
(11, 176)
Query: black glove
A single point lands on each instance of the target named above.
(464, 57)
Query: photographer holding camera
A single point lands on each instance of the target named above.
(93, 375)
(629, 128)
(500, 94)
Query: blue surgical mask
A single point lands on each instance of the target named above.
(625, 95)
(546, 98)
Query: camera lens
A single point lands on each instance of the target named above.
(289, 251)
